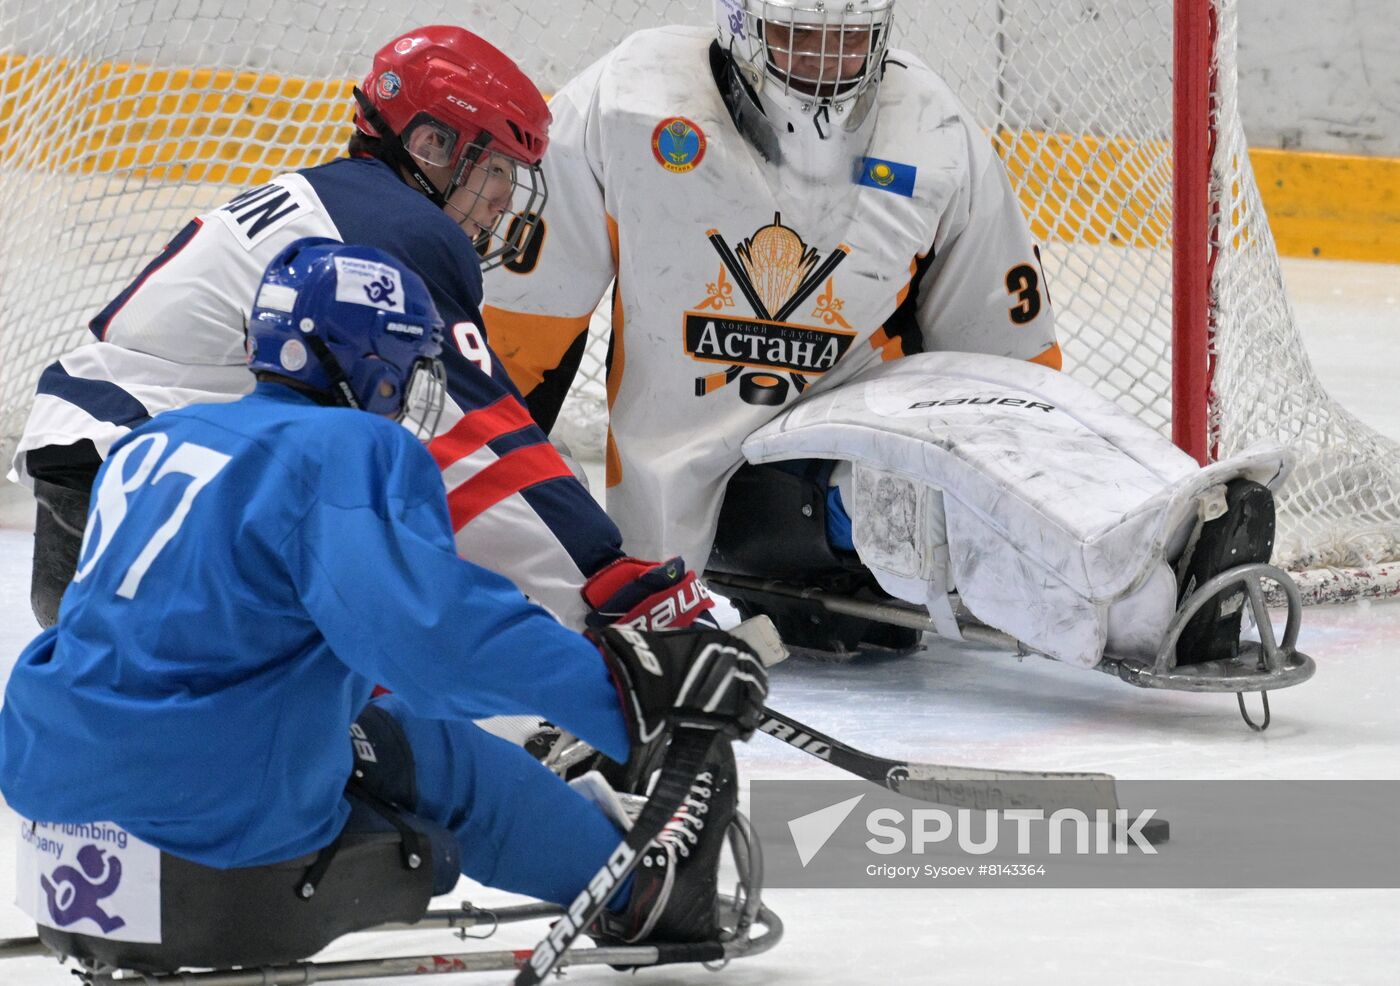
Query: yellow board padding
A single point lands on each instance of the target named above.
(1086, 189)
(1334, 206)
(222, 126)
(171, 124)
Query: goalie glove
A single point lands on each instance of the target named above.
(693, 677)
(646, 595)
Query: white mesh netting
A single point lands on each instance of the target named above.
(122, 118)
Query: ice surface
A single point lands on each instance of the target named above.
(962, 706)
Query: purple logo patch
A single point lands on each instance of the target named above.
(381, 292)
(74, 896)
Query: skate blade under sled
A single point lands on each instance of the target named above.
(256, 926)
(1261, 666)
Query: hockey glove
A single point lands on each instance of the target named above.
(647, 595)
(684, 677)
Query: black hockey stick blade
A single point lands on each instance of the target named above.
(960, 787)
(684, 758)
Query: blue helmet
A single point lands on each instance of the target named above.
(347, 321)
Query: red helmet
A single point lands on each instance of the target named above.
(442, 96)
(461, 80)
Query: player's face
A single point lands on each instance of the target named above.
(485, 194)
(818, 61)
(486, 189)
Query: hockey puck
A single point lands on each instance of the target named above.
(1157, 831)
(763, 388)
(1154, 831)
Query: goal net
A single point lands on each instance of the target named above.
(120, 119)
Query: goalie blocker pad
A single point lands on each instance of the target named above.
(1057, 504)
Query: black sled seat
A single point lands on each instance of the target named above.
(384, 867)
(772, 525)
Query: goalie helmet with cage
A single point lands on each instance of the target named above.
(353, 324)
(808, 56)
(440, 99)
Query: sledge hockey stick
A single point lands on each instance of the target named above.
(684, 758)
(959, 787)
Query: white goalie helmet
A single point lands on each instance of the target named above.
(808, 56)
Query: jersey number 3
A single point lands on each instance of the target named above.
(1024, 282)
(198, 463)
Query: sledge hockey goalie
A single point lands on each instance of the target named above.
(833, 359)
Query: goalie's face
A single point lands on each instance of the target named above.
(818, 61)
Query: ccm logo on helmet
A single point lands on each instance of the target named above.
(462, 103)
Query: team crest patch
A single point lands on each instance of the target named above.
(778, 276)
(389, 85)
(679, 144)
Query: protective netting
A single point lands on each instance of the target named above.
(121, 118)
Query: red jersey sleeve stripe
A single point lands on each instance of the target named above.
(477, 428)
(513, 472)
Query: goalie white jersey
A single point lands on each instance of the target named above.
(744, 283)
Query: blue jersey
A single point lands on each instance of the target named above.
(175, 336)
(249, 573)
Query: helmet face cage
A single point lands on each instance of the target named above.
(505, 196)
(524, 197)
(425, 396)
(824, 54)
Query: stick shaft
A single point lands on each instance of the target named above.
(963, 787)
(684, 758)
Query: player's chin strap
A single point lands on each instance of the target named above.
(340, 383)
(398, 154)
(393, 146)
(742, 103)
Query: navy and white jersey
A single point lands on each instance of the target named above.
(175, 336)
(249, 572)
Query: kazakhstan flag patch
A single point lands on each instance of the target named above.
(888, 175)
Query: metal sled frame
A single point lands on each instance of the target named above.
(1259, 667)
(740, 914)
(459, 919)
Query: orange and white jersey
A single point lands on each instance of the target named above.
(743, 283)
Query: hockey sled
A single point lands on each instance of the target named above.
(257, 926)
(1260, 666)
(989, 486)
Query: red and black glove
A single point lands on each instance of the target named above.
(647, 595)
(694, 677)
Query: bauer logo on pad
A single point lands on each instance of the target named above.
(890, 176)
